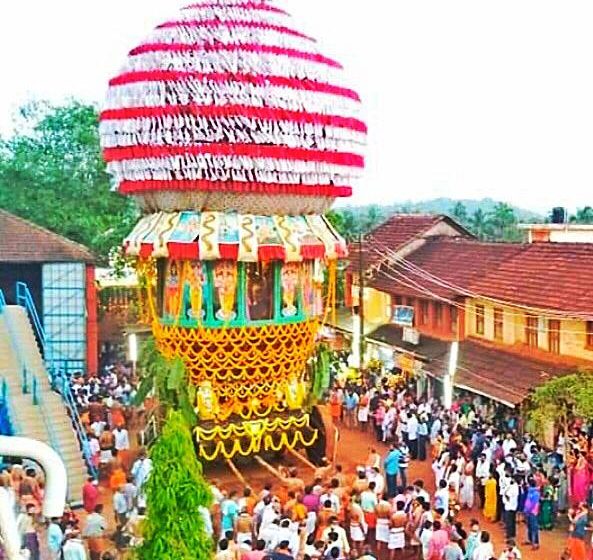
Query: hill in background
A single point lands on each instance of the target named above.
(487, 219)
(445, 206)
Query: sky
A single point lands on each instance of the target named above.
(463, 98)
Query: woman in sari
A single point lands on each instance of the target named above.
(491, 498)
(578, 528)
(546, 512)
(579, 480)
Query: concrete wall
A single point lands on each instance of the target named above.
(572, 332)
(377, 305)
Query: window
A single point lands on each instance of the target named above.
(424, 313)
(438, 315)
(531, 328)
(554, 336)
(589, 341)
(498, 323)
(479, 319)
(454, 319)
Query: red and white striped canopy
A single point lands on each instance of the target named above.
(229, 107)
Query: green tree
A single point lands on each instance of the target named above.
(371, 219)
(583, 216)
(504, 222)
(480, 224)
(175, 492)
(52, 173)
(321, 374)
(560, 400)
(167, 380)
(459, 212)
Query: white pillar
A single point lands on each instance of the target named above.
(354, 358)
(449, 379)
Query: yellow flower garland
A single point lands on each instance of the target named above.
(250, 438)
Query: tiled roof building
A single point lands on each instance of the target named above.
(523, 312)
(24, 242)
(60, 277)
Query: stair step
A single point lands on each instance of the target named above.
(29, 416)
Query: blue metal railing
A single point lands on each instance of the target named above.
(8, 422)
(59, 379)
(25, 380)
(25, 299)
(28, 380)
(63, 386)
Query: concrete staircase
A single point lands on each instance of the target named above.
(47, 421)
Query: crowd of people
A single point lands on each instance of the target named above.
(479, 462)
(104, 406)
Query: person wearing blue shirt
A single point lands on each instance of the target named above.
(55, 537)
(351, 404)
(392, 465)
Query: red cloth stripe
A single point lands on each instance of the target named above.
(227, 77)
(234, 23)
(248, 150)
(247, 47)
(263, 113)
(312, 252)
(271, 253)
(146, 250)
(329, 191)
(189, 251)
(243, 5)
(228, 251)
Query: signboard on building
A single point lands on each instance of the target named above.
(411, 335)
(403, 315)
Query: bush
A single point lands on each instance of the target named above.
(175, 490)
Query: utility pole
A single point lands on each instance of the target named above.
(361, 302)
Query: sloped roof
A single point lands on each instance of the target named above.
(397, 231)
(556, 276)
(546, 276)
(483, 368)
(427, 349)
(457, 261)
(24, 242)
(490, 371)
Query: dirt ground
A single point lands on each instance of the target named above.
(352, 451)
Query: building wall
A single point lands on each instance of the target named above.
(573, 333)
(560, 234)
(571, 236)
(377, 305)
(379, 309)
